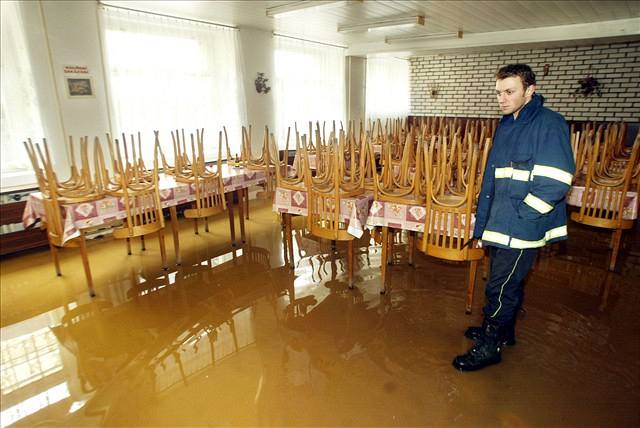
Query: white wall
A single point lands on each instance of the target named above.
(356, 70)
(257, 50)
(72, 32)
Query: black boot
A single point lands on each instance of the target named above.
(485, 352)
(508, 336)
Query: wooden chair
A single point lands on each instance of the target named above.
(209, 188)
(54, 222)
(448, 225)
(603, 201)
(141, 198)
(403, 186)
(323, 219)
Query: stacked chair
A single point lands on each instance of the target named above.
(609, 170)
(80, 187)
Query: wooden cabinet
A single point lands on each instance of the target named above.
(22, 240)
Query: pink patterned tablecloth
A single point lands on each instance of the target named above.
(110, 208)
(630, 211)
(353, 211)
(409, 217)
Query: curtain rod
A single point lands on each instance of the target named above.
(310, 41)
(167, 16)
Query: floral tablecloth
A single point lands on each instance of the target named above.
(110, 208)
(630, 210)
(353, 211)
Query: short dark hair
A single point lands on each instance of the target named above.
(523, 71)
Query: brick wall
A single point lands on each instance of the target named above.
(466, 83)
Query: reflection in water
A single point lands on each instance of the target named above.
(34, 404)
(232, 337)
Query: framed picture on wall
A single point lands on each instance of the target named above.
(79, 87)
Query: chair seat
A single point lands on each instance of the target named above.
(454, 254)
(125, 232)
(203, 212)
(601, 222)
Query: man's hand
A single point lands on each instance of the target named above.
(466, 244)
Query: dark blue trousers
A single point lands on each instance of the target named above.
(505, 288)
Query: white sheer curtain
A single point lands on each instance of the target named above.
(387, 88)
(165, 73)
(20, 111)
(309, 85)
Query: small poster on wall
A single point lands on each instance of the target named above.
(79, 83)
(79, 87)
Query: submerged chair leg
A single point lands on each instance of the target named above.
(128, 246)
(163, 250)
(143, 247)
(617, 237)
(350, 263)
(206, 224)
(383, 259)
(85, 263)
(473, 268)
(195, 226)
(412, 240)
(56, 258)
(176, 234)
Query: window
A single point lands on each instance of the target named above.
(19, 110)
(166, 74)
(309, 86)
(387, 90)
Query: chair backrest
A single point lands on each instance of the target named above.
(324, 200)
(208, 185)
(290, 176)
(603, 201)
(141, 198)
(448, 217)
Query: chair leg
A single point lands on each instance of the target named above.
(246, 194)
(195, 226)
(85, 264)
(144, 248)
(473, 268)
(617, 237)
(174, 229)
(241, 215)
(128, 246)
(290, 240)
(485, 266)
(383, 259)
(283, 227)
(206, 224)
(232, 225)
(350, 263)
(56, 258)
(412, 239)
(163, 250)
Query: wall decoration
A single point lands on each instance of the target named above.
(589, 85)
(79, 87)
(261, 84)
(76, 69)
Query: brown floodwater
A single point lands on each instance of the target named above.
(234, 337)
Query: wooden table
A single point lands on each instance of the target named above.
(288, 202)
(109, 209)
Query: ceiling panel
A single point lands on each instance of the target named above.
(320, 23)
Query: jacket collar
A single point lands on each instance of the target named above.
(529, 111)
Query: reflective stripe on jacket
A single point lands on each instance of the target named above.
(528, 173)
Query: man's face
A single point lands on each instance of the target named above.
(512, 95)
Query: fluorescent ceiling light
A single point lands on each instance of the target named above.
(409, 21)
(431, 36)
(296, 6)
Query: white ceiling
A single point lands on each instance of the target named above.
(486, 25)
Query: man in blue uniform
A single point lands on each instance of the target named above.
(521, 206)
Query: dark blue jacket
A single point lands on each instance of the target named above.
(528, 173)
